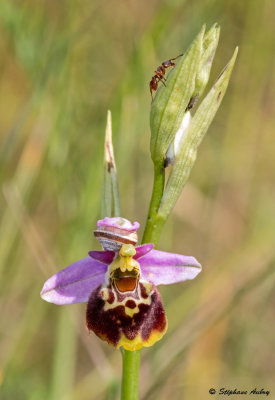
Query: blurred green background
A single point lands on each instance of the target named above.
(63, 64)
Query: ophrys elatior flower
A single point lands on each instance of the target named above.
(119, 283)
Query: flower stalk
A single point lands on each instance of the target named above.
(130, 374)
(153, 225)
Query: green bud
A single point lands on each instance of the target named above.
(210, 43)
(110, 205)
(185, 83)
(186, 150)
(170, 101)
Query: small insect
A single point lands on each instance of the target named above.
(159, 74)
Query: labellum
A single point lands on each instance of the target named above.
(126, 311)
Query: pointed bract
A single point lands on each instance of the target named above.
(110, 196)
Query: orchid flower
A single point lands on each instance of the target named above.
(119, 284)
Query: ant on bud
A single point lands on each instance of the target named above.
(159, 74)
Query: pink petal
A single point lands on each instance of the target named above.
(119, 222)
(162, 268)
(75, 283)
(106, 256)
(142, 250)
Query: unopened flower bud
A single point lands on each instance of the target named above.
(209, 46)
(190, 141)
(171, 101)
(184, 85)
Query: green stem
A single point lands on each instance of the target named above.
(154, 222)
(153, 230)
(130, 375)
(131, 359)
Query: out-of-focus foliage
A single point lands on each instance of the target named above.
(63, 64)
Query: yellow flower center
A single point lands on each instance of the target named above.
(124, 270)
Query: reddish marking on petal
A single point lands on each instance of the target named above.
(156, 320)
(111, 297)
(143, 292)
(100, 321)
(126, 284)
(130, 304)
